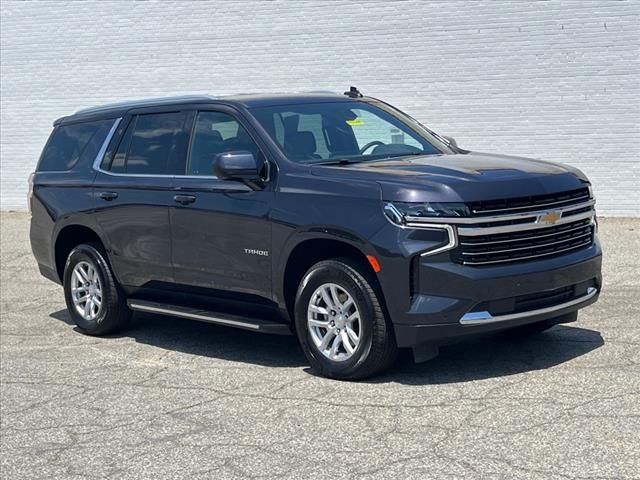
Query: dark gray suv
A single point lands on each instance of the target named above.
(335, 217)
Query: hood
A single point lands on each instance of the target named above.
(466, 177)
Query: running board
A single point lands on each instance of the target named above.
(229, 320)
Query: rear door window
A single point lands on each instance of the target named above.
(158, 144)
(70, 145)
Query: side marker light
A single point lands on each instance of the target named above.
(374, 263)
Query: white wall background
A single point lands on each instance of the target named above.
(558, 80)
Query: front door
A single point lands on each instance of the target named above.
(221, 233)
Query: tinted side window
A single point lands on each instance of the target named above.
(158, 144)
(214, 133)
(73, 144)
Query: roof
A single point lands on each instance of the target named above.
(147, 102)
(264, 100)
(248, 100)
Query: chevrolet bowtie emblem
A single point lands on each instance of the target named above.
(549, 218)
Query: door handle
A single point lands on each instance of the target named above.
(184, 199)
(108, 196)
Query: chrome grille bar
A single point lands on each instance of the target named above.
(529, 247)
(477, 231)
(529, 257)
(534, 202)
(500, 218)
(526, 236)
(516, 237)
(530, 237)
(554, 205)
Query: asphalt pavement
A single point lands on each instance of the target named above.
(173, 398)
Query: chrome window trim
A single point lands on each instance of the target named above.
(484, 317)
(500, 218)
(105, 145)
(103, 150)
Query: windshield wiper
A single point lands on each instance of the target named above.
(349, 161)
(398, 155)
(339, 161)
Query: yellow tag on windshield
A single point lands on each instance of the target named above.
(355, 122)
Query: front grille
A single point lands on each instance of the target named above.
(523, 229)
(525, 244)
(530, 203)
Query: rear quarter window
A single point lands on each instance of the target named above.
(71, 145)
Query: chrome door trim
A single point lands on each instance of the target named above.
(105, 145)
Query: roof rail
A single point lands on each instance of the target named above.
(146, 101)
(321, 91)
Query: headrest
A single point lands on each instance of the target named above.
(300, 143)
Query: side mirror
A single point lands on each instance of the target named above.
(451, 140)
(238, 165)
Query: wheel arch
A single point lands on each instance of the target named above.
(69, 236)
(308, 251)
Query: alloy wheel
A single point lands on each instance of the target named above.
(333, 320)
(86, 290)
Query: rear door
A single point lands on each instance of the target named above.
(221, 231)
(133, 191)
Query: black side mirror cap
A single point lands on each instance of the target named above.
(237, 165)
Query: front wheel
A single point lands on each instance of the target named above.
(340, 322)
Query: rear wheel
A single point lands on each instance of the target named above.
(340, 322)
(93, 297)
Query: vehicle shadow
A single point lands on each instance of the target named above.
(209, 340)
(496, 356)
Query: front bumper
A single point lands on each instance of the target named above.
(484, 317)
(454, 301)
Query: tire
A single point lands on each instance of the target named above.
(112, 314)
(358, 311)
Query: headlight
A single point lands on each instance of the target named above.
(30, 192)
(417, 215)
(595, 218)
(398, 211)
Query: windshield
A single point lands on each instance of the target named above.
(346, 131)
